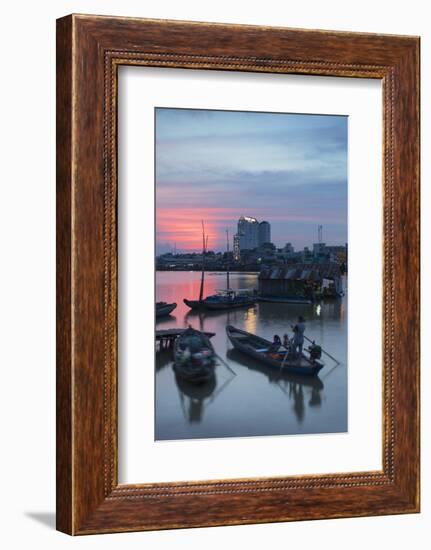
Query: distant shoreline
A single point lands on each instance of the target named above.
(208, 272)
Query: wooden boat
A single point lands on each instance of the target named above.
(258, 348)
(229, 299)
(286, 300)
(194, 357)
(163, 308)
(195, 304)
(223, 300)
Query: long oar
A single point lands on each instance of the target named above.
(216, 393)
(331, 370)
(225, 364)
(325, 352)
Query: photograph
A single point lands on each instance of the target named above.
(251, 273)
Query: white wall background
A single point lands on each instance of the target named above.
(27, 280)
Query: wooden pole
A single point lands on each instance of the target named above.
(227, 260)
(201, 291)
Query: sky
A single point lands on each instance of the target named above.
(287, 169)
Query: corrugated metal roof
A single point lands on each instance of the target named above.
(328, 270)
(291, 273)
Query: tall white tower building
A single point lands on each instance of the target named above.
(250, 234)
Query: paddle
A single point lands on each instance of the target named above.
(222, 387)
(325, 352)
(225, 364)
(331, 370)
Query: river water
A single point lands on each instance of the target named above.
(256, 400)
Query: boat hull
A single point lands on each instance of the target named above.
(205, 305)
(194, 304)
(214, 306)
(194, 375)
(163, 310)
(304, 367)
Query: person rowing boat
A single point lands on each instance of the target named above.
(298, 335)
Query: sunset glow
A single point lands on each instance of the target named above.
(217, 166)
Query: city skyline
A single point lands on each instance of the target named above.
(216, 166)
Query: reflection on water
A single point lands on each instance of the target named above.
(193, 397)
(254, 399)
(292, 385)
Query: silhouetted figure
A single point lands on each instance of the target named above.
(315, 399)
(298, 335)
(276, 344)
(298, 402)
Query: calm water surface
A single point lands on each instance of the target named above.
(257, 400)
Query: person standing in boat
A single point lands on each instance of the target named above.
(298, 335)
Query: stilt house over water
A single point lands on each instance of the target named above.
(310, 281)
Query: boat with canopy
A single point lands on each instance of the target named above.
(194, 357)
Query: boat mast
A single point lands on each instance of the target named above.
(227, 260)
(204, 242)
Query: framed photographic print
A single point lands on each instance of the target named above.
(246, 283)
(237, 274)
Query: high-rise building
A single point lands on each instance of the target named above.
(264, 233)
(247, 236)
(250, 235)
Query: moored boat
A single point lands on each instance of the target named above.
(229, 299)
(260, 349)
(194, 357)
(223, 300)
(194, 304)
(163, 308)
